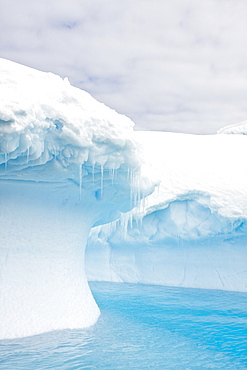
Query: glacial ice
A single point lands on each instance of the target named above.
(192, 231)
(69, 163)
(65, 165)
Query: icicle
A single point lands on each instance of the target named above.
(113, 175)
(131, 220)
(113, 227)
(141, 220)
(138, 221)
(80, 179)
(135, 194)
(101, 179)
(145, 203)
(124, 221)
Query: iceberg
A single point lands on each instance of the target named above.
(237, 128)
(70, 166)
(192, 230)
(67, 163)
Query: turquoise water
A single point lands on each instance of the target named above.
(144, 327)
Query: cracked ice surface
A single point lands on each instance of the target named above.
(67, 162)
(192, 231)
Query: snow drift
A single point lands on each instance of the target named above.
(192, 231)
(67, 163)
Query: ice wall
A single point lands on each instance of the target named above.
(192, 230)
(67, 163)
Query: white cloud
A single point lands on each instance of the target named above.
(176, 66)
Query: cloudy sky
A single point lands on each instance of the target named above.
(177, 65)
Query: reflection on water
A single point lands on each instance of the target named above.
(144, 327)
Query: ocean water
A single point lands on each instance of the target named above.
(144, 327)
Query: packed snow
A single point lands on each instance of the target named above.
(192, 230)
(67, 163)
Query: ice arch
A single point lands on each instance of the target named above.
(67, 163)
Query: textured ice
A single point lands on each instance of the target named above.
(67, 162)
(192, 231)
